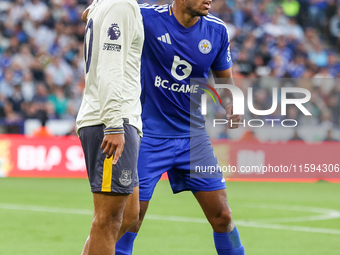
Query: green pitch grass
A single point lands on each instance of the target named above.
(53, 216)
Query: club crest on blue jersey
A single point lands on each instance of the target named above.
(125, 179)
(205, 46)
(113, 32)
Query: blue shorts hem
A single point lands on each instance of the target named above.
(211, 189)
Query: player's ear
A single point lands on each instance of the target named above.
(84, 15)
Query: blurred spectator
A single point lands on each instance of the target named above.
(270, 6)
(23, 58)
(334, 106)
(324, 80)
(36, 10)
(260, 15)
(58, 72)
(333, 65)
(27, 86)
(16, 99)
(261, 69)
(17, 11)
(278, 66)
(297, 67)
(41, 94)
(2, 106)
(318, 55)
(292, 113)
(245, 66)
(326, 120)
(6, 84)
(329, 136)
(295, 31)
(296, 137)
(59, 101)
(57, 10)
(40, 99)
(72, 10)
(5, 59)
(264, 53)
(273, 28)
(317, 12)
(281, 49)
(10, 115)
(335, 29)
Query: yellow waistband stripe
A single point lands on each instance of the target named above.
(170, 10)
(107, 175)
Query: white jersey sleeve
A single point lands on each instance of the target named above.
(117, 38)
(113, 45)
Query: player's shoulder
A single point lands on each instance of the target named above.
(101, 8)
(153, 10)
(216, 23)
(121, 5)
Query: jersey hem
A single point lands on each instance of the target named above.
(88, 123)
(172, 136)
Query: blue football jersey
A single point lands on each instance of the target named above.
(172, 55)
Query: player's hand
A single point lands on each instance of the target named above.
(235, 118)
(112, 143)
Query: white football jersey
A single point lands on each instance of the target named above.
(112, 52)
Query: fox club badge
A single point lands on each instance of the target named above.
(126, 177)
(113, 32)
(204, 46)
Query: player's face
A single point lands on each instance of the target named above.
(197, 7)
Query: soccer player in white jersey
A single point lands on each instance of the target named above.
(109, 123)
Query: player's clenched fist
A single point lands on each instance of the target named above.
(112, 143)
(232, 118)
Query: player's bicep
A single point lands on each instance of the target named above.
(224, 77)
(223, 74)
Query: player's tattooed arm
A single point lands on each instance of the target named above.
(227, 99)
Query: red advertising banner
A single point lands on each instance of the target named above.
(62, 157)
(54, 157)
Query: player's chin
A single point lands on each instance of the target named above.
(203, 12)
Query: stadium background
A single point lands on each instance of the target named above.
(41, 79)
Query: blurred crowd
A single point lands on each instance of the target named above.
(41, 53)
(41, 65)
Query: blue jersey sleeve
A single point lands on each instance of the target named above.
(223, 59)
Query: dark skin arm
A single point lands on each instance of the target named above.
(227, 76)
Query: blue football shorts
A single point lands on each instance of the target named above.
(180, 157)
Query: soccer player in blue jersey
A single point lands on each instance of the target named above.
(182, 41)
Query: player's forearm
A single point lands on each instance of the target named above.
(224, 77)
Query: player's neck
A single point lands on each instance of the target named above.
(185, 19)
